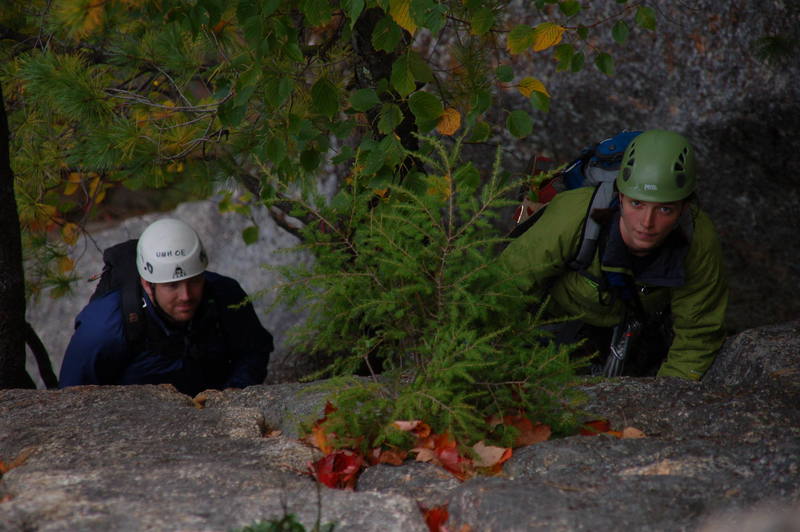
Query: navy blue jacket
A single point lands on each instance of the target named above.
(221, 347)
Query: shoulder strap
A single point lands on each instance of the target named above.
(601, 199)
(133, 312)
(527, 223)
(120, 259)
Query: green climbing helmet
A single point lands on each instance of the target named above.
(657, 166)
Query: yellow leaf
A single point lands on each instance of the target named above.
(529, 85)
(65, 264)
(547, 34)
(82, 16)
(101, 195)
(449, 121)
(70, 233)
(400, 10)
(48, 211)
(73, 182)
(71, 188)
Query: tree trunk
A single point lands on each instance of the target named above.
(12, 281)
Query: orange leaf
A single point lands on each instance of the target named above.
(423, 430)
(595, 427)
(65, 264)
(319, 439)
(449, 121)
(219, 26)
(392, 457)
(528, 432)
(436, 517)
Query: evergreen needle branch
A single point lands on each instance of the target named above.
(393, 243)
(436, 401)
(421, 204)
(172, 82)
(483, 208)
(373, 374)
(123, 94)
(184, 124)
(320, 217)
(458, 282)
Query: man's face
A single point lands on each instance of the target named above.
(178, 299)
(645, 224)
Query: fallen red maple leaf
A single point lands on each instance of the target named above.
(339, 469)
(436, 517)
(441, 449)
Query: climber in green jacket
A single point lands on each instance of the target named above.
(658, 257)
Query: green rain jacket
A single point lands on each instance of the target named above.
(687, 277)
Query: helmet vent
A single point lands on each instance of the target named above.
(626, 173)
(680, 180)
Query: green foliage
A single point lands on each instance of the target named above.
(405, 281)
(151, 93)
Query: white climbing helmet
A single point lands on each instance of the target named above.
(169, 250)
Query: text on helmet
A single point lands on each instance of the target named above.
(170, 253)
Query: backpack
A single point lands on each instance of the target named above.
(120, 273)
(596, 166)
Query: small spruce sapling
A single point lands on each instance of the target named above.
(406, 287)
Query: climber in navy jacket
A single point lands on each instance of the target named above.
(190, 327)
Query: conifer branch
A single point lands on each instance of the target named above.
(127, 95)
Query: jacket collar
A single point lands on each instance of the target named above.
(663, 267)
